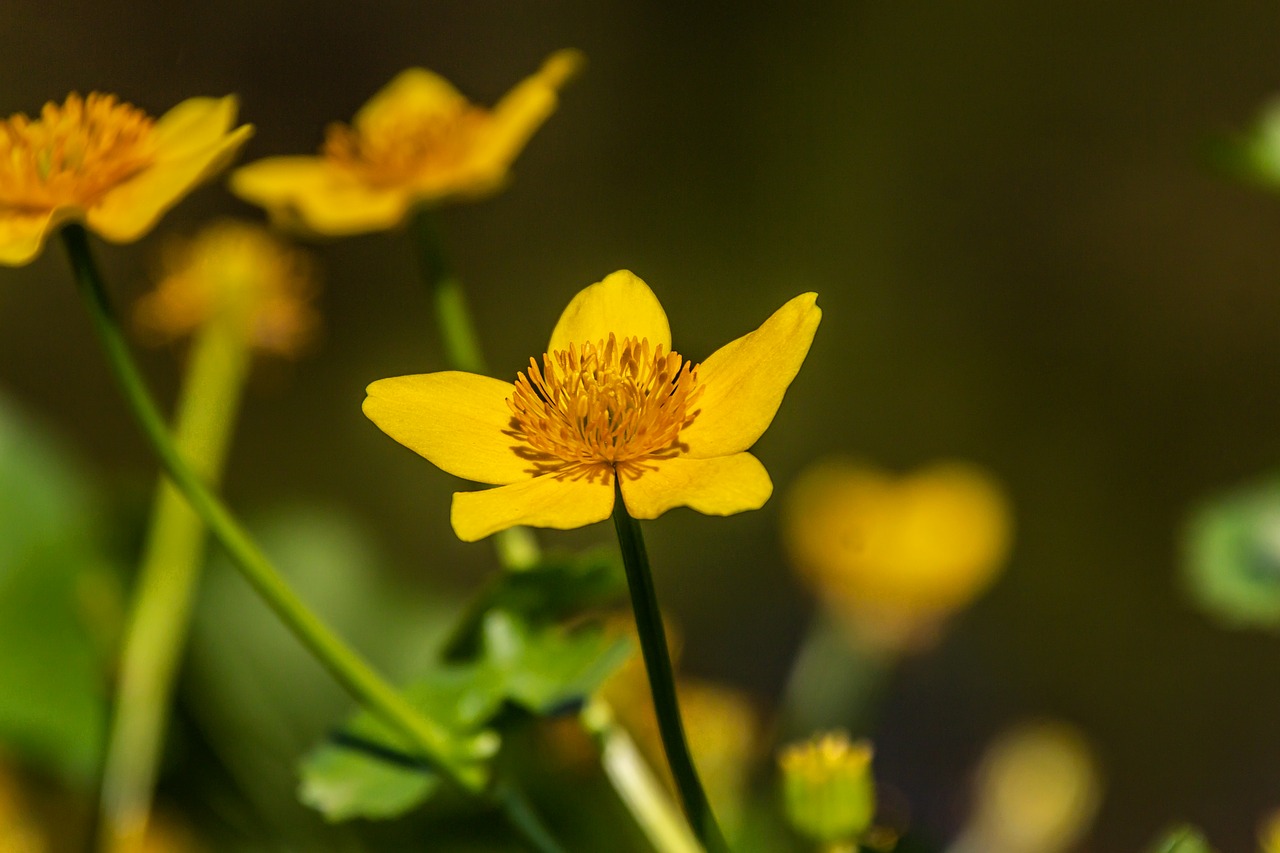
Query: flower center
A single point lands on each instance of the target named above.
(72, 153)
(406, 147)
(608, 403)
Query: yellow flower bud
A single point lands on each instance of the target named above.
(827, 788)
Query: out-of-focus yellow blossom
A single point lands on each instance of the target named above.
(827, 787)
(1037, 791)
(609, 400)
(894, 556)
(18, 831)
(107, 164)
(416, 142)
(1269, 834)
(240, 272)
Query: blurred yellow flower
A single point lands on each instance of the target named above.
(1037, 791)
(107, 164)
(610, 399)
(893, 556)
(827, 787)
(416, 142)
(1269, 834)
(238, 271)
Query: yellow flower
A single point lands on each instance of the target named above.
(609, 399)
(1269, 833)
(418, 141)
(107, 164)
(827, 787)
(1037, 791)
(893, 555)
(232, 269)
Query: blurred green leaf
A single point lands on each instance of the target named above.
(1252, 156)
(561, 586)
(54, 577)
(544, 669)
(1182, 839)
(1232, 563)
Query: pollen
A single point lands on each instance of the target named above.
(406, 147)
(72, 153)
(607, 404)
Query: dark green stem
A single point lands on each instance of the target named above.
(657, 663)
(346, 667)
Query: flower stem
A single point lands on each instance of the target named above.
(517, 548)
(657, 664)
(164, 591)
(344, 664)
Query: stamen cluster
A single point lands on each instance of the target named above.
(72, 153)
(605, 403)
(405, 147)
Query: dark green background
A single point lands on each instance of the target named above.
(1022, 261)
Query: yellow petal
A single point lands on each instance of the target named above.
(743, 381)
(522, 111)
(621, 304)
(194, 124)
(22, 235)
(547, 501)
(131, 209)
(722, 486)
(311, 194)
(414, 91)
(456, 420)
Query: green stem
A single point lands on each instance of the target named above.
(344, 664)
(517, 548)
(657, 663)
(164, 591)
(520, 813)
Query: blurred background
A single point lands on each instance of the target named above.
(1023, 258)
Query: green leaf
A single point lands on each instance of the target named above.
(1252, 156)
(1182, 839)
(368, 772)
(552, 668)
(54, 577)
(1232, 564)
(561, 586)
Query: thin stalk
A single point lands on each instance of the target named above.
(517, 548)
(520, 813)
(657, 664)
(160, 613)
(344, 664)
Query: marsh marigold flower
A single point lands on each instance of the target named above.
(107, 164)
(416, 142)
(233, 269)
(892, 556)
(609, 399)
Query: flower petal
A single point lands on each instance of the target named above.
(311, 194)
(131, 209)
(456, 420)
(722, 486)
(548, 501)
(743, 382)
(22, 235)
(522, 111)
(414, 91)
(194, 124)
(621, 304)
